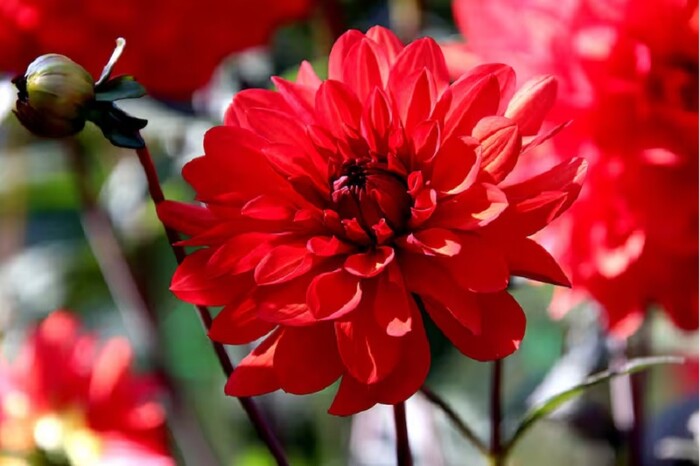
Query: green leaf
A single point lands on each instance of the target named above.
(120, 128)
(121, 87)
(545, 408)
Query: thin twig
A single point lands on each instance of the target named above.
(261, 426)
(457, 421)
(135, 313)
(496, 416)
(403, 447)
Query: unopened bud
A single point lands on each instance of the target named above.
(54, 96)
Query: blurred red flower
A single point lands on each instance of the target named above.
(328, 204)
(628, 73)
(174, 46)
(71, 398)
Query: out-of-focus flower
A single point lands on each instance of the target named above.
(628, 73)
(66, 398)
(330, 204)
(175, 45)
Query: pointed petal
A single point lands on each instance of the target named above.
(432, 241)
(456, 165)
(189, 219)
(393, 307)
(476, 207)
(255, 374)
(501, 143)
(531, 103)
(339, 51)
(419, 54)
(352, 397)
(528, 259)
(196, 282)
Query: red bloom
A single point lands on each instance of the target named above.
(629, 79)
(173, 48)
(68, 397)
(328, 204)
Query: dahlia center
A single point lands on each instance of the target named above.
(366, 190)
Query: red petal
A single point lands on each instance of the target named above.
(283, 263)
(371, 263)
(534, 203)
(307, 76)
(476, 207)
(393, 307)
(528, 259)
(419, 54)
(479, 267)
(387, 41)
(456, 165)
(501, 143)
(307, 359)
(188, 218)
(196, 282)
(328, 246)
(331, 295)
(531, 102)
(369, 354)
(338, 108)
(361, 70)
(502, 330)
(415, 98)
(243, 252)
(266, 207)
(249, 98)
(340, 49)
(352, 397)
(255, 374)
(278, 127)
(300, 98)
(432, 241)
(429, 279)
(471, 101)
(411, 371)
(239, 324)
(285, 304)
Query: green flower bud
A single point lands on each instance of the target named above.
(54, 96)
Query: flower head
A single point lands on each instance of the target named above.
(333, 209)
(629, 80)
(71, 400)
(54, 96)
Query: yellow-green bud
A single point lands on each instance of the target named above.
(54, 95)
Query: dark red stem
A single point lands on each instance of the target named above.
(496, 415)
(403, 447)
(261, 426)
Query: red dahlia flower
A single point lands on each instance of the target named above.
(68, 399)
(628, 74)
(173, 48)
(329, 205)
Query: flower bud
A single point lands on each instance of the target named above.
(54, 96)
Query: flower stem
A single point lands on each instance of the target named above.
(496, 453)
(249, 406)
(457, 421)
(403, 448)
(137, 316)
